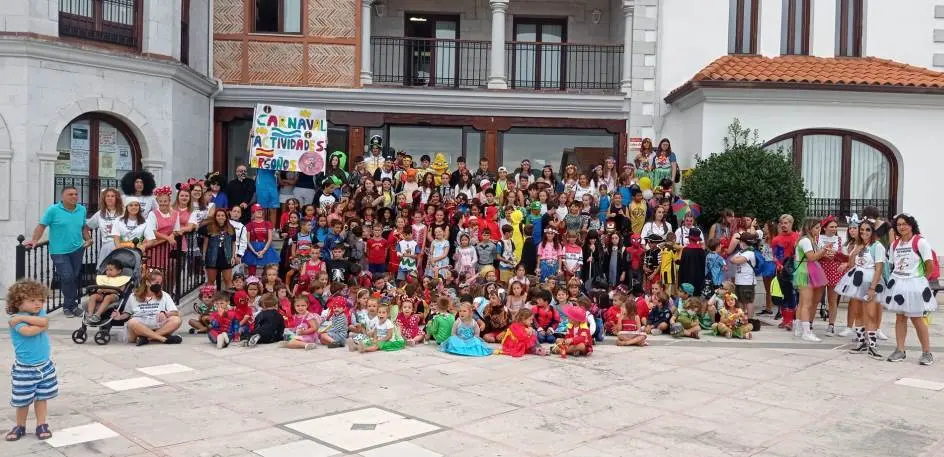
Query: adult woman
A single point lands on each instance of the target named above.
(613, 259)
(526, 172)
(643, 158)
(131, 230)
(200, 204)
(569, 178)
(465, 186)
(548, 177)
(153, 314)
(808, 277)
(109, 204)
(723, 229)
(219, 248)
(907, 292)
(242, 235)
(863, 284)
(688, 223)
(165, 223)
(832, 266)
(140, 184)
(657, 225)
(663, 162)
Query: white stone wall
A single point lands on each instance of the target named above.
(199, 27)
(30, 16)
(162, 28)
(191, 157)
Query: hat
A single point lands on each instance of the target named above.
(255, 207)
(485, 184)
(575, 314)
(207, 289)
(535, 206)
(688, 288)
(253, 280)
(241, 298)
(653, 238)
(501, 169)
(694, 234)
(304, 245)
(129, 199)
(376, 141)
(473, 221)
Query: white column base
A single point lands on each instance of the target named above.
(626, 86)
(367, 78)
(497, 83)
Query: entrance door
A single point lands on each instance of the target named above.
(538, 56)
(430, 50)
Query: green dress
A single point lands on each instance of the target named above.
(440, 327)
(395, 343)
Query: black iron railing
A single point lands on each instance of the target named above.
(842, 207)
(90, 189)
(429, 62)
(564, 66)
(109, 21)
(181, 263)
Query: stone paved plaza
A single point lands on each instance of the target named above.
(770, 397)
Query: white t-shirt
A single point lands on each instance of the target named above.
(805, 245)
(579, 192)
(197, 216)
(832, 242)
(97, 221)
(866, 258)
(905, 261)
(744, 274)
(147, 311)
(661, 229)
(130, 230)
(382, 328)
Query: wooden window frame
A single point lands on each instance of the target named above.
(739, 21)
(857, 20)
(539, 22)
(96, 22)
(281, 15)
(408, 63)
(185, 32)
(792, 27)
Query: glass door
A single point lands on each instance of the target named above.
(537, 53)
(430, 46)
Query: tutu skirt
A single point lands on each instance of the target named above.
(809, 274)
(909, 296)
(270, 256)
(855, 284)
(472, 347)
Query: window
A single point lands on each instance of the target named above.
(277, 16)
(95, 151)
(537, 54)
(849, 28)
(742, 26)
(843, 171)
(795, 29)
(109, 21)
(556, 147)
(419, 140)
(431, 46)
(185, 32)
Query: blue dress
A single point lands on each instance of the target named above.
(464, 342)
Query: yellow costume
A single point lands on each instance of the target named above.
(439, 165)
(515, 218)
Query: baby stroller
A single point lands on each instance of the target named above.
(123, 285)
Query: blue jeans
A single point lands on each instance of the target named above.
(546, 338)
(68, 268)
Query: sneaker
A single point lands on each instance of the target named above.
(897, 356)
(141, 341)
(846, 332)
(862, 347)
(830, 331)
(192, 331)
(254, 340)
(880, 335)
(283, 344)
(873, 353)
(926, 359)
(778, 316)
(765, 311)
(95, 318)
(70, 313)
(173, 339)
(222, 340)
(811, 337)
(797, 328)
(656, 331)
(310, 346)
(335, 345)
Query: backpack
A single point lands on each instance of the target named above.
(763, 267)
(935, 266)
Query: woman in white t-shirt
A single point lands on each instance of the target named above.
(863, 284)
(809, 278)
(658, 225)
(745, 262)
(110, 208)
(153, 314)
(131, 229)
(907, 292)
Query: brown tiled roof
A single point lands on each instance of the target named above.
(807, 72)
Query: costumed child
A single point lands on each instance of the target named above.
(408, 322)
(660, 314)
(465, 257)
(243, 311)
(685, 322)
(289, 233)
(385, 335)
(214, 182)
(629, 331)
(521, 339)
(652, 264)
(733, 322)
(333, 332)
(544, 317)
(260, 251)
(202, 309)
(495, 318)
(364, 320)
(268, 325)
(439, 328)
(549, 253)
(465, 336)
(634, 257)
(578, 340)
(224, 324)
(301, 330)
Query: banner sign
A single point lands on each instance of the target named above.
(286, 138)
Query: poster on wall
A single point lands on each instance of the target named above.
(123, 161)
(107, 136)
(80, 137)
(106, 165)
(79, 161)
(286, 138)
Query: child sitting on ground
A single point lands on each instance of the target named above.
(336, 323)
(268, 325)
(733, 321)
(363, 326)
(243, 313)
(385, 335)
(545, 317)
(685, 322)
(660, 315)
(408, 323)
(224, 324)
(202, 308)
(302, 328)
(579, 338)
(629, 331)
(102, 298)
(439, 327)
(521, 339)
(465, 336)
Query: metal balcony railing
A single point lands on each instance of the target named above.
(109, 21)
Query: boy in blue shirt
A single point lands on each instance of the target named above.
(33, 374)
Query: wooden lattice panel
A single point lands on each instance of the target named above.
(275, 63)
(332, 18)
(227, 60)
(331, 65)
(229, 16)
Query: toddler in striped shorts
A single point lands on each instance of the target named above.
(33, 374)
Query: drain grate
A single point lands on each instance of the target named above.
(363, 426)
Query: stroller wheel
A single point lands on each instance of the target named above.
(79, 336)
(102, 338)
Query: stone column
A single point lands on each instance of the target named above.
(626, 83)
(46, 180)
(367, 76)
(156, 167)
(496, 74)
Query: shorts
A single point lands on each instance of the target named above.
(745, 294)
(33, 383)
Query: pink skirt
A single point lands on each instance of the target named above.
(817, 277)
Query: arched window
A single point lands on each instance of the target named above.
(843, 171)
(95, 151)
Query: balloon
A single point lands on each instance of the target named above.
(645, 183)
(647, 194)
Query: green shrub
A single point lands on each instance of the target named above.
(746, 179)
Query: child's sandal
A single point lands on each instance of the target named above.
(16, 433)
(42, 432)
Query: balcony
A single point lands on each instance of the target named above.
(116, 22)
(447, 63)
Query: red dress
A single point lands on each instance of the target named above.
(517, 341)
(393, 264)
(409, 326)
